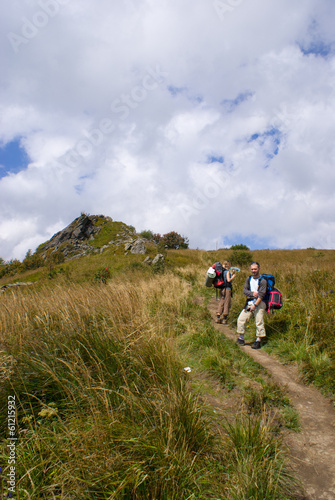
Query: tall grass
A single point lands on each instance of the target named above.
(105, 409)
(257, 468)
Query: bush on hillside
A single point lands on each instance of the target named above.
(241, 258)
(102, 275)
(10, 268)
(147, 234)
(240, 246)
(174, 240)
(55, 258)
(32, 261)
(169, 240)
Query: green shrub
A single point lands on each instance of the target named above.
(241, 258)
(147, 234)
(240, 246)
(102, 275)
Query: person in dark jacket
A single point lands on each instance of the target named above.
(255, 290)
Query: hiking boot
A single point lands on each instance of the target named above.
(240, 341)
(224, 321)
(256, 345)
(218, 319)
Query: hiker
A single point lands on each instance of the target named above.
(225, 294)
(255, 290)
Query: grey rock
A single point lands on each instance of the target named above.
(18, 283)
(80, 229)
(159, 258)
(138, 247)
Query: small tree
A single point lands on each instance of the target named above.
(157, 238)
(11, 267)
(174, 240)
(168, 240)
(147, 234)
(32, 261)
(240, 246)
(241, 258)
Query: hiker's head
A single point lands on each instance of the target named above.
(255, 268)
(226, 264)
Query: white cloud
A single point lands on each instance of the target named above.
(123, 106)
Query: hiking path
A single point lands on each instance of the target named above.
(313, 449)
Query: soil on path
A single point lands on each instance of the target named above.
(313, 449)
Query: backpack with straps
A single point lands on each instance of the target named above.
(273, 297)
(220, 280)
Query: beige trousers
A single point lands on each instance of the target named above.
(225, 301)
(259, 320)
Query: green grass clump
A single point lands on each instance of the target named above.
(257, 467)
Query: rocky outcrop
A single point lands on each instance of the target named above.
(135, 246)
(138, 247)
(78, 238)
(81, 229)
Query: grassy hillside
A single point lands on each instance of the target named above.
(104, 407)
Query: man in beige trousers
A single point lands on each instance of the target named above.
(255, 290)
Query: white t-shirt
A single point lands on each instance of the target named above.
(254, 285)
(254, 288)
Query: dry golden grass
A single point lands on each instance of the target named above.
(26, 312)
(105, 409)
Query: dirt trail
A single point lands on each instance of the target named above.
(313, 449)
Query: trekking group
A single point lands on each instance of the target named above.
(261, 296)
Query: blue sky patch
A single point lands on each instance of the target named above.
(270, 141)
(231, 104)
(253, 242)
(215, 159)
(315, 45)
(273, 132)
(176, 90)
(197, 98)
(317, 48)
(254, 137)
(13, 158)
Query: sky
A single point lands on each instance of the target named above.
(212, 118)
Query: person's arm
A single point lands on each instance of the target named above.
(261, 290)
(230, 277)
